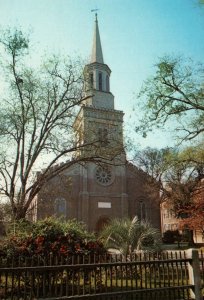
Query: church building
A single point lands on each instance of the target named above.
(95, 192)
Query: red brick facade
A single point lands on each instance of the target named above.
(78, 194)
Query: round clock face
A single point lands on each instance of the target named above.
(104, 175)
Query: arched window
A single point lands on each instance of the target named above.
(100, 81)
(107, 84)
(91, 80)
(142, 210)
(60, 207)
(103, 136)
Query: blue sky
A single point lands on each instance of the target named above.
(134, 33)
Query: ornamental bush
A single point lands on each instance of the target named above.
(52, 242)
(50, 238)
(171, 236)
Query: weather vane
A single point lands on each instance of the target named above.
(95, 10)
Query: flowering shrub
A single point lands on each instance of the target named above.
(52, 242)
(52, 237)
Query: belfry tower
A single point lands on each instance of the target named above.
(98, 121)
(103, 185)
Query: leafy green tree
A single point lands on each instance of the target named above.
(177, 175)
(154, 162)
(128, 235)
(5, 217)
(174, 96)
(175, 172)
(175, 91)
(2, 225)
(38, 107)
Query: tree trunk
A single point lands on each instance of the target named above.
(19, 213)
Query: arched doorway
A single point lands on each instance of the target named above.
(102, 221)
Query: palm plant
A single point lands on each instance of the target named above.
(128, 235)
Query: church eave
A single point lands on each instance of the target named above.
(92, 92)
(91, 107)
(99, 66)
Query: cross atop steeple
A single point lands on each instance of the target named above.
(95, 10)
(97, 54)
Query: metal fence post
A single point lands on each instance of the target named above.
(194, 273)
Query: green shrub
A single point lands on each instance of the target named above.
(171, 236)
(51, 237)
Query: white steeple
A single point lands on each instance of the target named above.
(97, 54)
(97, 119)
(97, 76)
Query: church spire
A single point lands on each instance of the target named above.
(97, 77)
(97, 55)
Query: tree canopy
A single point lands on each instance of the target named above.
(175, 91)
(38, 107)
(179, 177)
(172, 171)
(174, 96)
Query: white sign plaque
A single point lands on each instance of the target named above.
(104, 204)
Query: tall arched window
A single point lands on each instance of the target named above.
(100, 81)
(142, 210)
(91, 80)
(103, 136)
(107, 84)
(60, 207)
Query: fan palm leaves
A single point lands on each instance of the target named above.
(128, 235)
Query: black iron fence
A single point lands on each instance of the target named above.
(167, 275)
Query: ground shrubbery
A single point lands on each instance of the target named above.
(131, 235)
(49, 242)
(50, 237)
(171, 236)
